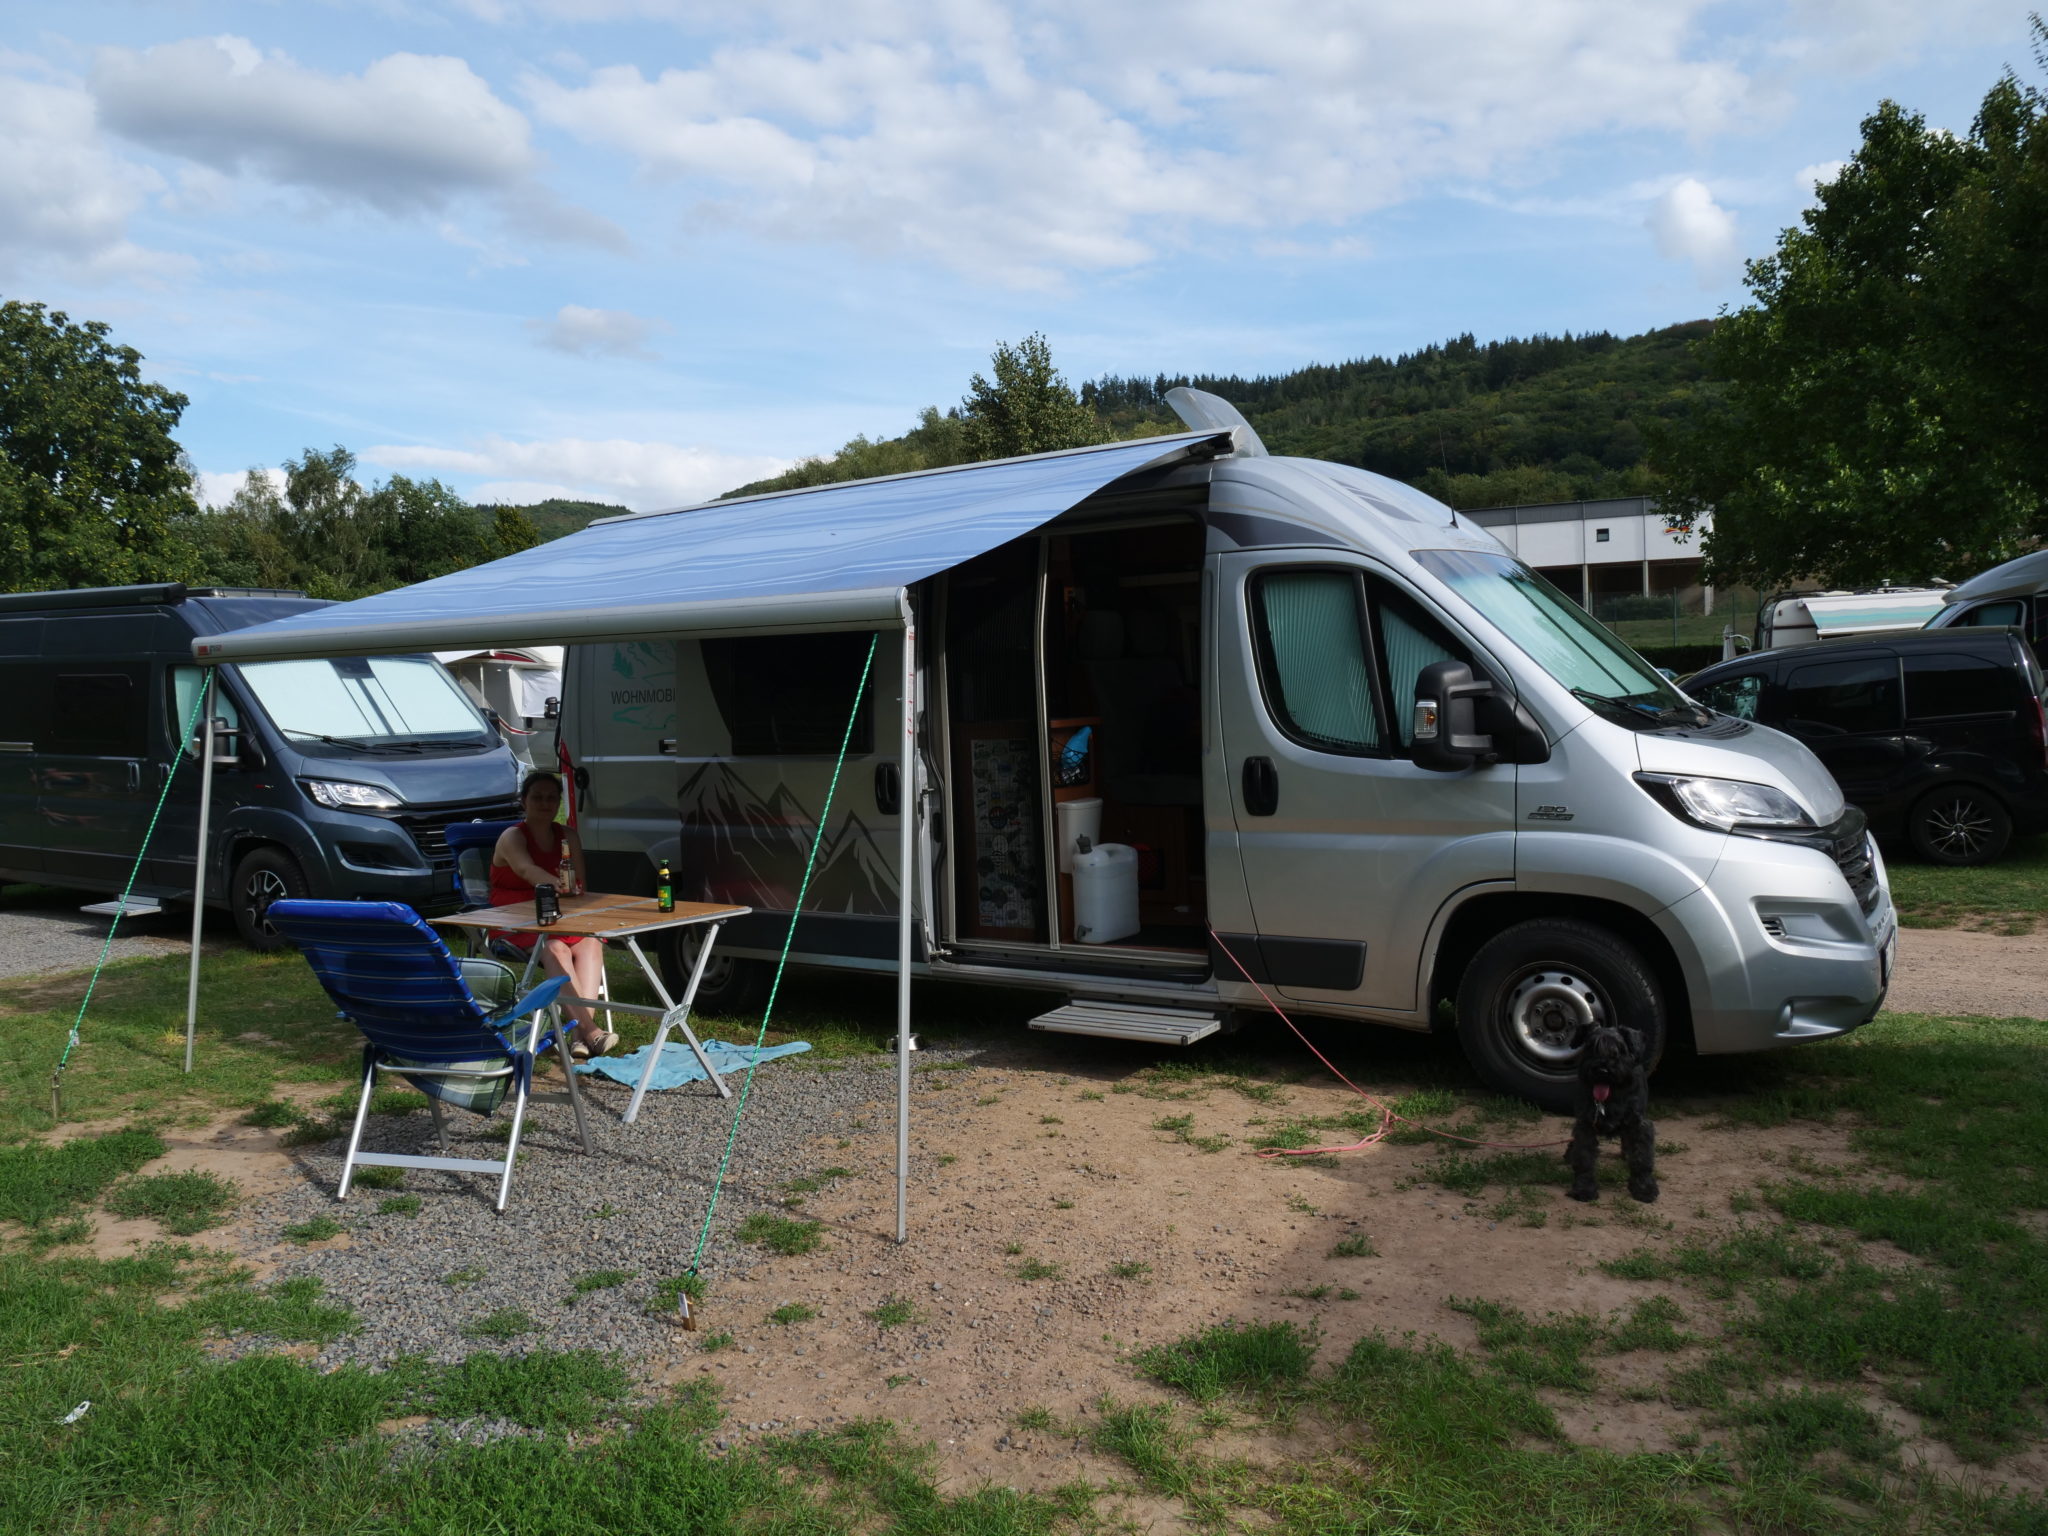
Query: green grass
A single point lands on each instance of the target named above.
(314, 1229)
(399, 1205)
(1232, 1357)
(894, 1312)
(1035, 1269)
(273, 1114)
(1356, 1246)
(40, 1182)
(1131, 1269)
(791, 1313)
(380, 1178)
(180, 1203)
(811, 1183)
(668, 1294)
(2011, 894)
(505, 1323)
(462, 1277)
(785, 1235)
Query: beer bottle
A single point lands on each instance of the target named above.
(568, 870)
(664, 888)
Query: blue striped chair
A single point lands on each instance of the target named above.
(420, 1017)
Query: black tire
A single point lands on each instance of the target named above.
(1531, 985)
(1960, 824)
(731, 986)
(264, 876)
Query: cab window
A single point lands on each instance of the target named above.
(1737, 696)
(1994, 615)
(181, 697)
(1314, 665)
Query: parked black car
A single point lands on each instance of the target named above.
(1939, 735)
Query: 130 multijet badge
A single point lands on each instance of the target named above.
(1551, 813)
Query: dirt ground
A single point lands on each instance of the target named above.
(1033, 1155)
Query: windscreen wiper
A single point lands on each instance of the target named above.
(355, 743)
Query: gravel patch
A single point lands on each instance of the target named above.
(44, 931)
(655, 1176)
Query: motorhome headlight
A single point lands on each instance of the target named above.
(1725, 805)
(340, 795)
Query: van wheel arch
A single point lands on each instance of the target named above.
(1481, 918)
(279, 873)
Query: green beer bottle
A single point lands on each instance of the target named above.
(664, 888)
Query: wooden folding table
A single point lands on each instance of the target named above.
(621, 920)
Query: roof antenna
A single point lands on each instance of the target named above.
(1445, 458)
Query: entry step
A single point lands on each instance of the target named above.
(1130, 1021)
(137, 906)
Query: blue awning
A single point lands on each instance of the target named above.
(829, 557)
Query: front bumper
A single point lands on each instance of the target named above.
(1786, 951)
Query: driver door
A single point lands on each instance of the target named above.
(1348, 849)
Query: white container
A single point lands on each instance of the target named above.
(1077, 819)
(1105, 893)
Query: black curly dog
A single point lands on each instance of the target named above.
(1614, 1100)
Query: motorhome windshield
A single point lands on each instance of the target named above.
(1559, 635)
(375, 704)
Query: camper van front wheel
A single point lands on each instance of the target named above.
(264, 876)
(1532, 988)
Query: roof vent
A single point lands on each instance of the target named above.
(1204, 412)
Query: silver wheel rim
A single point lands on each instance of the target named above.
(1546, 1011)
(1960, 828)
(262, 888)
(717, 974)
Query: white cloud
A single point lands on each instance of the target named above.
(638, 474)
(597, 332)
(1813, 177)
(219, 487)
(409, 133)
(1021, 144)
(1688, 225)
(63, 195)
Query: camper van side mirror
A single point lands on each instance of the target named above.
(1446, 737)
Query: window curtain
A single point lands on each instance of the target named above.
(1312, 621)
(1409, 650)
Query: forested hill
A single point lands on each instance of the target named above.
(1477, 424)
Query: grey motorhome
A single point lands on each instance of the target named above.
(1363, 761)
(343, 773)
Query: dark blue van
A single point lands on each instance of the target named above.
(346, 775)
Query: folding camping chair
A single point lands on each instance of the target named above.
(393, 978)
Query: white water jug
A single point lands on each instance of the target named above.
(1105, 893)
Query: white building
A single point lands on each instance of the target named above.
(1600, 550)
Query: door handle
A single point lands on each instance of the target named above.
(888, 789)
(1261, 787)
(134, 775)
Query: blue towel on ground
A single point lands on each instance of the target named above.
(678, 1066)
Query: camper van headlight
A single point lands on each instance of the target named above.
(339, 795)
(1724, 804)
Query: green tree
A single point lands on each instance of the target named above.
(1881, 401)
(511, 531)
(1027, 409)
(94, 491)
(328, 535)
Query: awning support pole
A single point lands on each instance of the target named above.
(907, 803)
(206, 738)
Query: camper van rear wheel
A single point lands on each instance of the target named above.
(1532, 988)
(1960, 825)
(730, 984)
(264, 876)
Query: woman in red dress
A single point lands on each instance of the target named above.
(530, 853)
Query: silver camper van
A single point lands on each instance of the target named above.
(1246, 728)
(2014, 594)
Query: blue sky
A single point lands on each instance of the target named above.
(644, 250)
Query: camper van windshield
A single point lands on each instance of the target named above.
(377, 703)
(1558, 635)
